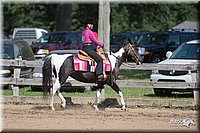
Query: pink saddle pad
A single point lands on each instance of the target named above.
(89, 66)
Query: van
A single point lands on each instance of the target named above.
(28, 34)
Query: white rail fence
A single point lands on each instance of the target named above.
(16, 81)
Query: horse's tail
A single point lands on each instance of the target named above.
(47, 76)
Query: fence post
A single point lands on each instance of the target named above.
(104, 27)
(17, 71)
(196, 96)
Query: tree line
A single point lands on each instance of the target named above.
(123, 17)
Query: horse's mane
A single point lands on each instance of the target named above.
(122, 45)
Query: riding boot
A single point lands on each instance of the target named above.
(100, 78)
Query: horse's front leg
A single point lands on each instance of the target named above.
(121, 97)
(116, 88)
(96, 101)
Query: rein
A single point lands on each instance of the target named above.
(130, 47)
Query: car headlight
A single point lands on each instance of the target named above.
(5, 71)
(43, 51)
(154, 72)
(141, 50)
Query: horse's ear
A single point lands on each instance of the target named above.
(129, 40)
(126, 42)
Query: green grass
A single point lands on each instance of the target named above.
(109, 92)
(128, 92)
(134, 75)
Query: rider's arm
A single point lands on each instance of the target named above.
(94, 39)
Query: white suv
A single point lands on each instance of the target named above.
(186, 53)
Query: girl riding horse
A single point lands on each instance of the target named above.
(63, 69)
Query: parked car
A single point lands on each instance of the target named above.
(62, 40)
(37, 73)
(28, 34)
(16, 48)
(5, 35)
(187, 53)
(153, 46)
(117, 39)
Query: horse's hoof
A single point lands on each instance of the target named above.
(123, 108)
(63, 105)
(95, 107)
(53, 109)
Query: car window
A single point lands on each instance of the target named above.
(17, 51)
(186, 37)
(43, 39)
(72, 41)
(174, 38)
(158, 39)
(24, 51)
(185, 51)
(117, 39)
(195, 36)
(7, 51)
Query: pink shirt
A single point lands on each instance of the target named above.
(89, 37)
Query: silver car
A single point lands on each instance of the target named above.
(186, 53)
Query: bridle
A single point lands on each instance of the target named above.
(135, 54)
(130, 48)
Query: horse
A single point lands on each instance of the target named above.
(62, 68)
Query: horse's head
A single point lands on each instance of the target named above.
(130, 51)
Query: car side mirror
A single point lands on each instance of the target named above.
(168, 54)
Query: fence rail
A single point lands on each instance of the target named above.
(17, 63)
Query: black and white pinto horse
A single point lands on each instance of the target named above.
(62, 67)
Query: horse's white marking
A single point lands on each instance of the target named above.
(113, 56)
(57, 60)
(121, 99)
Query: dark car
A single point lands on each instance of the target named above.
(153, 46)
(5, 35)
(12, 49)
(118, 38)
(62, 40)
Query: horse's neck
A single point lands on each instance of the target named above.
(118, 56)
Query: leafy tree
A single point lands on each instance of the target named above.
(123, 18)
(29, 15)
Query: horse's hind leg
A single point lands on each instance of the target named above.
(63, 101)
(116, 88)
(54, 89)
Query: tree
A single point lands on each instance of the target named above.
(63, 17)
(124, 17)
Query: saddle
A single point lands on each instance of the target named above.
(85, 57)
(82, 55)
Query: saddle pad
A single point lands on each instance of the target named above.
(89, 66)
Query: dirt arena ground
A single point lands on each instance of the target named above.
(84, 118)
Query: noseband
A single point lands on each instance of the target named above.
(135, 54)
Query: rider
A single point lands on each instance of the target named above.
(90, 44)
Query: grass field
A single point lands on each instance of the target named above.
(128, 92)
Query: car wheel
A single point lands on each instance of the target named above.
(162, 92)
(156, 58)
